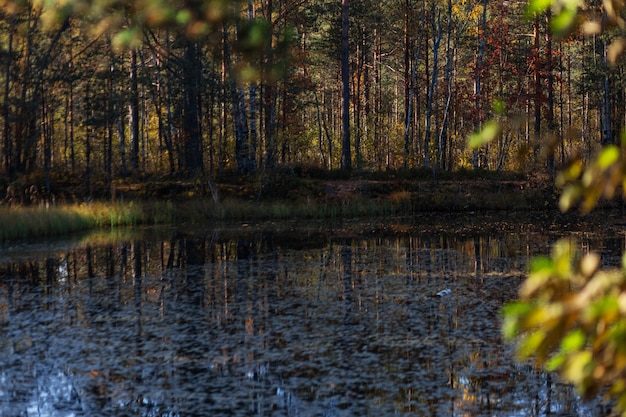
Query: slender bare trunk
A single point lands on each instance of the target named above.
(346, 158)
(133, 112)
(478, 121)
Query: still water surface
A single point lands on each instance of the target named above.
(369, 319)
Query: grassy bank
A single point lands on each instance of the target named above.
(31, 222)
(305, 199)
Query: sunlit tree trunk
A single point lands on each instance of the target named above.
(378, 145)
(478, 108)
(410, 101)
(223, 132)
(171, 131)
(605, 95)
(448, 77)
(409, 77)
(432, 88)
(357, 83)
(133, 112)
(160, 98)
(367, 95)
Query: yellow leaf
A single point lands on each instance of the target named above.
(576, 367)
(608, 156)
(570, 196)
(589, 264)
(574, 341)
(591, 27)
(615, 49)
(528, 345)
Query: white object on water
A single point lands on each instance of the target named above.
(445, 292)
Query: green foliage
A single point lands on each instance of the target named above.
(566, 19)
(490, 131)
(570, 319)
(602, 178)
(571, 314)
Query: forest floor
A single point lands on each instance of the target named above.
(399, 191)
(28, 211)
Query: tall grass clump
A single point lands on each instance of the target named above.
(31, 222)
(102, 215)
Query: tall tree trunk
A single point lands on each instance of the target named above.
(478, 108)
(550, 115)
(133, 112)
(211, 117)
(329, 139)
(605, 100)
(26, 115)
(409, 70)
(443, 135)
(432, 89)
(379, 151)
(367, 91)
(358, 102)
(270, 95)
(121, 132)
(88, 135)
(223, 133)
(47, 133)
(108, 143)
(252, 98)
(35, 120)
(6, 108)
(239, 113)
(68, 122)
(192, 135)
(161, 99)
(537, 81)
(346, 157)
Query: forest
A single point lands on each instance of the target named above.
(254, 85)
(110, 95)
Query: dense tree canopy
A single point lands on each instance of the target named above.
(111, 88)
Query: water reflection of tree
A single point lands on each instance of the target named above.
(208, 323)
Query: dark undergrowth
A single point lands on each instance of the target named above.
(297, 192)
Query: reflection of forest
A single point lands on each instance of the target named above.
(200, 324)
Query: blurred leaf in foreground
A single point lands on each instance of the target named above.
(490, 131)
(571, 318)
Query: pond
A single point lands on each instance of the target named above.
(385, 318)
